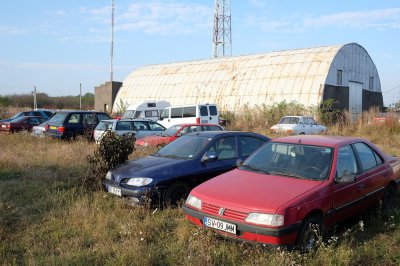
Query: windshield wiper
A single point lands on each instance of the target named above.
(252, 168)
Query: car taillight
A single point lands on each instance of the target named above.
(8, 126)
(198, 120)
(61, 129)
(47, 127)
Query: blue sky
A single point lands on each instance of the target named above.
(56, 45)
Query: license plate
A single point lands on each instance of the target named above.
(53, 127)
(4, 126)
(220, 225)
(115, 191)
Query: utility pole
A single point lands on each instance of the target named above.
(80, 96)
(112, 41)
(222, 34)
(34, 98)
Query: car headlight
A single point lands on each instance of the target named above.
(194, 202)
(139, 181)
(109, 175)
(265, 219)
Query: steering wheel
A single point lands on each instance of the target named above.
(313, 168)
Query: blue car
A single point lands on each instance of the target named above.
(38, 112)
(168, 175)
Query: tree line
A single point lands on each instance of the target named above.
(46, 102)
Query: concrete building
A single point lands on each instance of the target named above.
(104, 96)
(345, 73)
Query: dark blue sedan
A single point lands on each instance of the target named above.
(168, 175)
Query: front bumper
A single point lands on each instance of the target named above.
(284, 236)
(138, 195)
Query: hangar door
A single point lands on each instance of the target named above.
(355, 100)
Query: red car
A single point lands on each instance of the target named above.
(175, 132)
(21, 123)
(293, 188)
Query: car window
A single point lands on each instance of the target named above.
(249, 145)
(48, 113)
(225, 148)
(213, 110)
(74, 119)
(102, 117)
(165, 114)
(124, 125)
(33, 121)
(137, 114)
(176, 112)
(151, 113)
(203, 110)
(156, 126)
(139, 125)
(42, 120)
(212, 128)
(186, 147)
(89, 119)
(58, 118)
(35, 113)
(312, 121)
(104, 125)
(289, 120)
(189, 111)
(366, 155)
(346, 162)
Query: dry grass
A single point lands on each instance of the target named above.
(47, 218)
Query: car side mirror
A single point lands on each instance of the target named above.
(239, 162)
(209, 157)
(346, 179)
(161, 118)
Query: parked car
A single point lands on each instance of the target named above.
(175, 132)
(22, 123)
(298, 125)
(140, 127)
(292, 188)
(167, 176)
(38, 131)
(147, 110)
(70, 124)
(38, 112)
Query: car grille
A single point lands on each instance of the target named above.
(228, 213)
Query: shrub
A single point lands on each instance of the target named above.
(112, 151)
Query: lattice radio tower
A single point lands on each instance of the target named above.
(112, 42)
(222, 37)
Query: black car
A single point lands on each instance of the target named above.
(168, 175)
(67, 125)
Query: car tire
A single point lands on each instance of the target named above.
(175, 193)
(389, 199)
(310, 234)
(302, 133)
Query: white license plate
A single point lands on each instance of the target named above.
(3, 126)
(115, 191)
(220, 225)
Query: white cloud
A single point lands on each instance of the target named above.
(4, 29)
(166, 17)
(375, 19)
(378, 19)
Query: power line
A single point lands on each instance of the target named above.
(397, 87)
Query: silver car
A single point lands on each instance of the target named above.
(140, 127)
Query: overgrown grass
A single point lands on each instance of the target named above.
(47, 218)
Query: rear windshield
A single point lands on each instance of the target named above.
(58, 118)
(128, 114)
(104, 125)
(289, 120)
(213, 110)
(203, 110)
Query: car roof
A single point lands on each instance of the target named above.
(194, 124)
(318, 140)
(212, 134)
(81, 112)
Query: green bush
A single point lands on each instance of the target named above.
(112, 151)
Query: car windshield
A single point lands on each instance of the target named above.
(186, 147)
(129, 114)
(289, 120)
(16, 115)
(293, 160)
(58, 118)
(171, 131)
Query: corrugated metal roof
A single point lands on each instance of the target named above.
(232, 82)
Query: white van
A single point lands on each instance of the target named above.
(187, 114)
(147, 109)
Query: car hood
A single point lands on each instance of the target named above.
(151, 166)
(248, 191)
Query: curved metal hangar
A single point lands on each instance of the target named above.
(345, 73)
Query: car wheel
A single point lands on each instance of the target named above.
(302, 133)
(389, 199)
(310, 234)
(175, 193)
